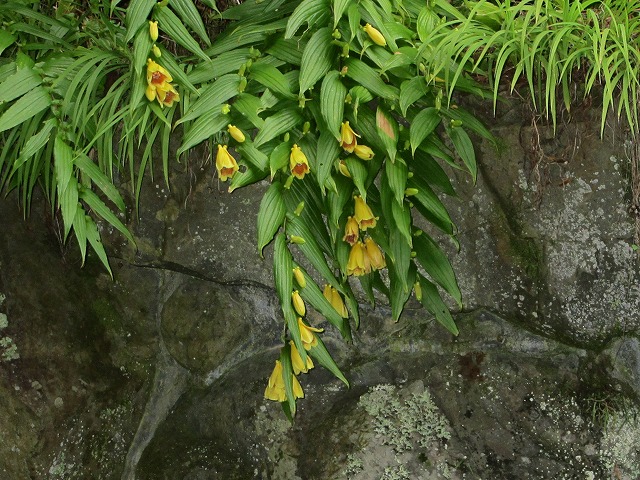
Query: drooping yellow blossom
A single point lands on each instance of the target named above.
(364, 215)
(166, 95)
(225, 163)
(275, 387)
(363, 152)
(351, 231)
(375, 35)
(298, 303)
(298, 162)
(157, 75)
(150, 93)
(236, 133)
(348, 139)
(331, 294)
(306, 334)
(153, 30)
(358, 263)
(376, 257)
(299, 276)
(296, 360)
(342, 167)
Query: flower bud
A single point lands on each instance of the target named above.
(298, 303)
(296, 239)
(299, 276)
(299, 208)
(156, 51)
(153, 30)
(236, 133)
(363, 152)
(243, 84)
(417, 288)
(225, 109)
(411, 191)
(375, 35)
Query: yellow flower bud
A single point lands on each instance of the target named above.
(307, 334)
(156, 51)
(298, 303)
(236, 133)
(296, 360)
(363, 152)
(296, 239)
(342, 167)
(375, 35)
(331, 294)
(299, 276)
(358, 263)
(376, 257)
(150, 92)
(153, 30)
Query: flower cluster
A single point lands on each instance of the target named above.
(364, 256)
(159, 85)
(349, 142)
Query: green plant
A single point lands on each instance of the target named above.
(328, 100)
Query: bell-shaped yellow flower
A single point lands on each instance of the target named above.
(376, 257)
(364, 215)
(331, 294)
(153, 30)
(298, 303)
(306, 334)
(351, 231)
(375, 35)
(296, 360)
(358, 263)
(363, 152)
(236, 133)
(150, 93)
(225, 163)
(166, 95)
(275, 387)
(157, 75)
(298, 162)
(342, 167)
(299, 276)
(348, 139)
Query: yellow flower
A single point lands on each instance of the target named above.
(166, 95)
(364, 215)
(298, 303)
(236, 133)
(225, 163)
(364, 152)
(275, 387)
(299, 276)
(342, 167)
(296, 360)
(375, 35)
(348, 139)
(376, 257)
(298, 162)
(351, 231)
(358, 263)
(306, 334)
(150, 92)
(331, 294)
(153, 30)
(157, 75)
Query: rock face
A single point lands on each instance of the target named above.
(161, 372)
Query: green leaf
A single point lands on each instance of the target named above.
(202, 128)
(277, 124)
(189, 14)
(27, 106)
(16, 85)
(358, 173)
(402, 220)
(400, 278)
(63, 163)
(224, 63)
(68, 200)
(397, 174)
(251, 175)
(426, 22)
(270, 215)
(339, 7)
(309, 12)
(288, 50)
(367, 77)
(328, 151)
(105, 212)
(430, 206)
(249, 106)
(436, 264)
(92, 234)
(430, 171)
(332, 96)
(176, 70)
(169, 23)
(354, 16)
(433, 303)
(93, 172)
(254, 156)
(464, 147)
(213, 95)
(320, 353)
(35, 143)
(272, 78)
(422, 126)
(387, 128)
(6, 40)
(80, 229)
(287, 377)
(279, 157)
(411, 91)
(137, 15)
(337, 200)
(141, 51)
(317, 58)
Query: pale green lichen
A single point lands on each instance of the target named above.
(9, 350)
(397, 472)
(620, 446)
(4, 322)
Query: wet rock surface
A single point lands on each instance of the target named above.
(161, 372)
